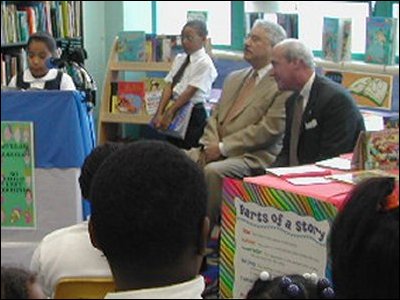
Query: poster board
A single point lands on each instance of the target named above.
(368, 90)
(273, 230)
(18, 207)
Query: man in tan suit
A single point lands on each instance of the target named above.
(245, 131)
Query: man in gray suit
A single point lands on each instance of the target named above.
(246, 129)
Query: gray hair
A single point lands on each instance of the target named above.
(293, 49)
(275, 32)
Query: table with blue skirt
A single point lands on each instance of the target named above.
(63, 137)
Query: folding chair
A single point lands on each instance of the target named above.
(84, 287)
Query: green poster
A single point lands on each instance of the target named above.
(17, 175)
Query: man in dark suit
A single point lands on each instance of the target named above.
(322, 119)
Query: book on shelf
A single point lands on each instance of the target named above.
(154, 87)
(131, 46)
(377, 150)
(380, 40)
(336, 39)
(197, 15)
(290, 22)
(162, 47)
(127, 97)
(19, 19)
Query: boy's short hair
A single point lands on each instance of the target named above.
(92, 163)
(200, 26)
(46, 38)
(148, 205)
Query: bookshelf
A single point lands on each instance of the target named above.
(110, 123)
(19, 19)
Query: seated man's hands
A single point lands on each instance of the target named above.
(212, 153)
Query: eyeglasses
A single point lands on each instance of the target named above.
(190, 38)
(253, 38)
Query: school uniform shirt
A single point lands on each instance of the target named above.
(187, 290)
(67, 252)
(200, 73)
(66, 84)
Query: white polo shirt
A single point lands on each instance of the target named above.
(187, 290)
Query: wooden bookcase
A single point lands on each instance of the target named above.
(110, 123)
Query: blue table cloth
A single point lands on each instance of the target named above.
(63, 128)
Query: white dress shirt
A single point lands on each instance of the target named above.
(200, 73)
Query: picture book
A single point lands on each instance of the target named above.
(128, 97)
(336, 39)
(154, 88)
(290, 22)
(380, 40)
(377, 150)
(131, 46)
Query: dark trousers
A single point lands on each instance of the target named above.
(195, 129)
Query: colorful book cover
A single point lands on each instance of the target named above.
(131, 46)
(267, 229)
(290, 22)
(154, 89)
(336, 39)
(380, 40)
(377, 150)
(129, 97)
(18, 205)
(382, 149)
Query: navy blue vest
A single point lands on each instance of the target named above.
(53, 84)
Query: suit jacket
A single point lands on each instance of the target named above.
(255, 133)
(330, 125)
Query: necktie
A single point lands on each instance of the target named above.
(244, 93)
(178, 75)
(295, 130)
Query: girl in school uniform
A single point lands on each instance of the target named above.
(41, 47)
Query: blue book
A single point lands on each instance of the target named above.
(380, 40)
(336, 39)
(131, 46)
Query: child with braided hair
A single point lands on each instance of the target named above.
(308, 286)
(364, 242)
